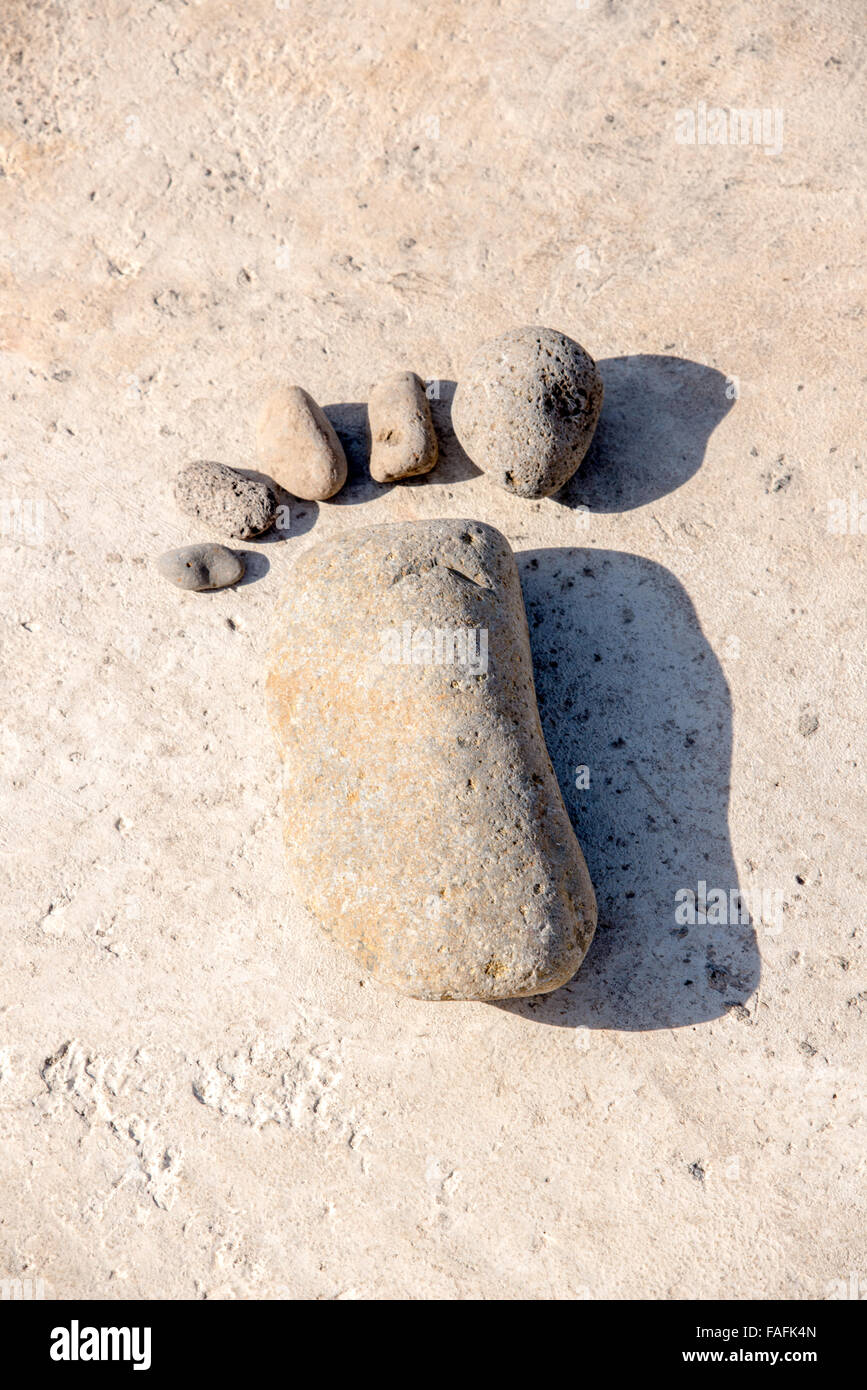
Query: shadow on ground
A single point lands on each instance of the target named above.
(256, 566)
(630, 689)
(454, 465)
(350, 421)
(657, 417)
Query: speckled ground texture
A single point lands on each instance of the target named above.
(200, 1095)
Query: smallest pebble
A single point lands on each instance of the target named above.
(201, 567)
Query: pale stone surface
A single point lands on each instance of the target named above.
(221, 497)
(204, 201)
(403, 441)
(201, 567)
(424, 827)
(298, 446)
(526, 408)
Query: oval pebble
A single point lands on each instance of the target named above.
(402, 438)
(425, 830)
(201, 567)
(526, 408)
(298, 446)
(223, 498)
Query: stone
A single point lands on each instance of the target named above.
(223, 498)
(526, 408)
(298, 446)
(425, 829)
(201, 567)
(403, 443)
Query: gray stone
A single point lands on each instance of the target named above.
(201, 567)
(298, 446)
(425, 829)
(526, 408)
(220, 497)
(403, 443)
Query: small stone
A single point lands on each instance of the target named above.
(808, 723)
(402, 439)
(526, 408)
(223, 498)
(298, 446)
(425, 829)
(201, 567)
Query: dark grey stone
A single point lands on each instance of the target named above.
(220, 497)
(526, 408)
(201, 567)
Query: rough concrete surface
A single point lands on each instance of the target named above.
(200, 202)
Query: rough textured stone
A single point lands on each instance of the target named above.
(526, 408)
(298, 446)
(424, 824)
(220, 497)
(201, 567)
(403, 442)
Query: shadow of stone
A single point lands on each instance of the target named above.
(657, 417)
(454, 464)
(350, 423)
(256, 566)
(350, 420)
(630, 689)
(302, 516)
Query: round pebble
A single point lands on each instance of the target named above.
(201, 567)
(223, 498)
(402, 439)
(298, 446)
(526, 408)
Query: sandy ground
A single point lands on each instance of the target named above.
(200, 1097)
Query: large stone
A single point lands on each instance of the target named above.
(526, 408)
(424, 825)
